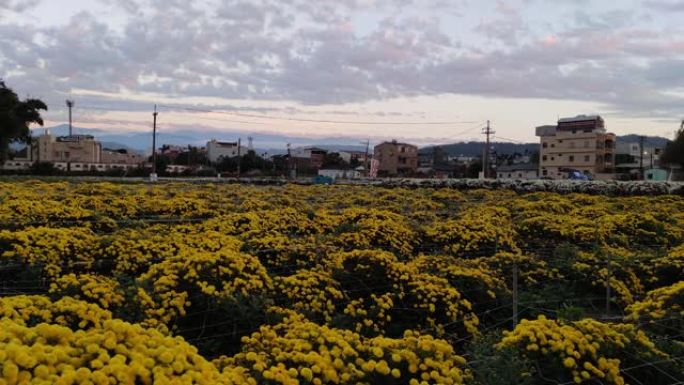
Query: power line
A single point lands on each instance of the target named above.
(512, 140)
(194, 109)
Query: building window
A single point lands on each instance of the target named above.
(544, 145)
(553, 158)
(67, 154)
(553, 145)
(571, 158)
(586, 144)
(544, 158)
(587, 158)
(545, 172)
(560, 141)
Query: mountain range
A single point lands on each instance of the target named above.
(263, 143)
(276, 144)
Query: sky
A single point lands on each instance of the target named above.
(425, 71)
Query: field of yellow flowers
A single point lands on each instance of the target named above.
(182, 283)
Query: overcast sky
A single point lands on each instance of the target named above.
(518, 63)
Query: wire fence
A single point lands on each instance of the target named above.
(493, 310)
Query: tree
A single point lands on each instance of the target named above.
(334, 160)
(474, 169)
(192, 157)
(15, 118)
(674, 151)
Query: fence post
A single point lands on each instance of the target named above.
(608, 276)
(515, 294)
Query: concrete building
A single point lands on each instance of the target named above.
(67, 149)
(349, 156)
(521, 171)
(576, 144)
(396, 158)
(308, 158)
(172, 151)
(217, 150)
(342, 174)
(75, 153)
(121, 156)
(631, 159)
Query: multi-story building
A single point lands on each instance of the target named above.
(68, 149)
(576, 144)
(308, 158)
(217, 150)
(75, 153)
(395, 158)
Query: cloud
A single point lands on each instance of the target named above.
(310, 53)
(18, 5)
(668, 6)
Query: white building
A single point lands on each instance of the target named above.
(518, 171)
(217, 150)
(342, 174)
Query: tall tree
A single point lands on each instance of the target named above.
(15, 118)
(674, 152)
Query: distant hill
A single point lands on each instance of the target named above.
(142, 141)
(651, 141)
(277, 144)
(475, 148)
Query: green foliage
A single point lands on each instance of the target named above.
(491, 366)
(15, 118)
(674, 152)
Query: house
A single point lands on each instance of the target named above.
(351, 156)
(522, 171)
(632, 158)
(217, 150)
(172, 151)
(308, 158)
(396, 158)
(580, 143)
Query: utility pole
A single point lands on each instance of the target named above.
(289, 161)
(154, 143)
(239, 159)
(70, 106)
(485, 161)
(366, 169)
(641, 156)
